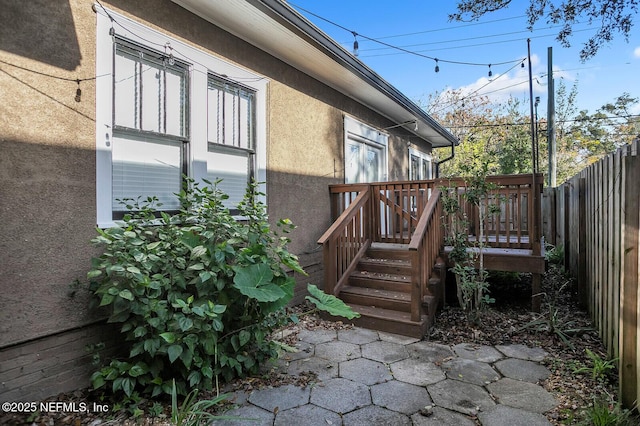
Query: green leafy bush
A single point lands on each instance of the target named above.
(197, 292)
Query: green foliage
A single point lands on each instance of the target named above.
(195, 292)
(604, 413)
(600, 368)
(554, 254)
(193, 412)
(472, 285)
(330, 303)
(553, 322)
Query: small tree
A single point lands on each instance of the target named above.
(472, 285)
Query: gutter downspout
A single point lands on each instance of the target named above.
(453, 154)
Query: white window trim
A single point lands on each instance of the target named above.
(422, 155)
(201, 64)
(360, 132)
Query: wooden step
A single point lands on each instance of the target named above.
(389, 321)
(386, 299)
(380, 281)
(387, 266)
(390, 253)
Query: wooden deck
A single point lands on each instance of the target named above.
(385, 255)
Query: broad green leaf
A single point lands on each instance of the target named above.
(133, 270)
(174, 352)
(138, 370)
(255, 282)
(94, 273)
(196, 267)
(198, 251)
(107, 299)
(185, 323)
(153, 245)
(244, 337)
(126, 294)
(330, 303)
(168, 336)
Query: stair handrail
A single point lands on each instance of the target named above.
(425, 245)
(337, 270)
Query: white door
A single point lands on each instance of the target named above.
(365, 153)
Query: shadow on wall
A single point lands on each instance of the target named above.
(27, 31)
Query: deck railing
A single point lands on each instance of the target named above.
(410, 213)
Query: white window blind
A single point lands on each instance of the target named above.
(234, 169)
(143, 168)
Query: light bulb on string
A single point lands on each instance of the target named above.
(522, 64)
(437, 69)
(490, 73)
(78, 97)
(355, 43)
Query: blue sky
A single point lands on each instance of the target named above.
(423, 27)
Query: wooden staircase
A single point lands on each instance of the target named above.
(380, 290)
(382, 254)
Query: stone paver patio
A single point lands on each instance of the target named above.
(370, 378)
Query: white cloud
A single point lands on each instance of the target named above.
(636, 52)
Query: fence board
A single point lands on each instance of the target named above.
(597, 221)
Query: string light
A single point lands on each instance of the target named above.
(397, 47)
(78, 97)
(490, 73)
(355, 43)
(437, 67)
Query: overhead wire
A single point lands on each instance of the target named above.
(377, 40)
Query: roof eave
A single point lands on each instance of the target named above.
(276, 28)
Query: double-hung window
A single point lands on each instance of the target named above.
(230, 136)
(166, 109)
(150, 133)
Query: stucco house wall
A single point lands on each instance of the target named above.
(48, 172)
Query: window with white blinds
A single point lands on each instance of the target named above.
(230, 130)
(150, 110)
(169, 110)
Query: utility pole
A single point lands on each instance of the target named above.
(533, 129)
(551, 120)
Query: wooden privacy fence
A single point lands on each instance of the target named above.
(595, 217)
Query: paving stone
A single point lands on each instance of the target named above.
(523, 352)
(373, 415)
(417, 372)
(317, 336)
(304, 350)
(237, 397)
(468, 370)
(503, 415)
(520, 369)
(459, 396)
(431, 352)
(527, 396)
(477, 352)
(358, 336)
(282, 397)
(307, 415)
(340, 395)
(397, 338)
(365, 371)
(442, 417)
(401, 397)
(384, 351)
(324, 369)
(337, 351)
(247, 414)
